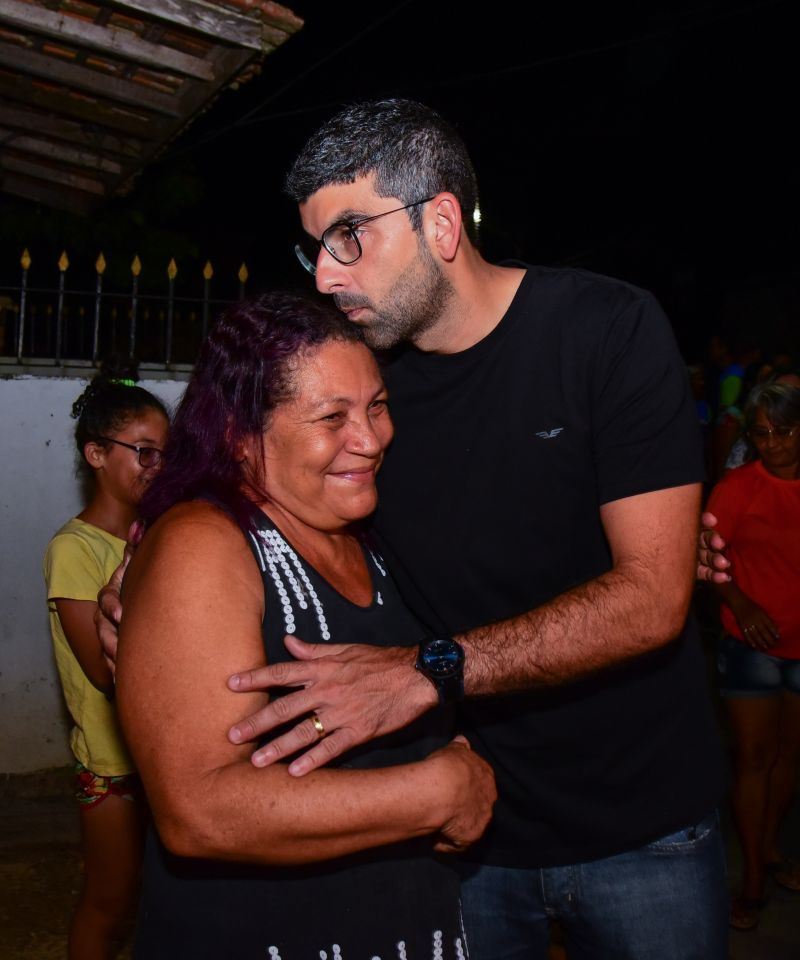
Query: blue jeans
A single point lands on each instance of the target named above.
(667, 900)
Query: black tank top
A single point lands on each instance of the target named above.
(397, 902)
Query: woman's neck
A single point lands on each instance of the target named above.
(789, 472)
(109, 514)
(336, 554)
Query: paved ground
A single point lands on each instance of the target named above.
(39, 866)
(40, 875)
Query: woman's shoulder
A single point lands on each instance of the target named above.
(736, 488)
(744, 475)
(79, 530)
(196, 533)
(196, 519)
(79, 541)
(191, 549)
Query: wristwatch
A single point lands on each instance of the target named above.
(441, 660)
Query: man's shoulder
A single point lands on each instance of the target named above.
(585, 307)
(579, 282)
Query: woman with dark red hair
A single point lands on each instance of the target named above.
(252, 535)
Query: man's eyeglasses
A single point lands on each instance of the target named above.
(341, 240)
(762, 434)
(149, 457)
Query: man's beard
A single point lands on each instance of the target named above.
(412, 306)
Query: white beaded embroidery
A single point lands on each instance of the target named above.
(437, 945)
(275, 553)
(438, 950)
(378, 561)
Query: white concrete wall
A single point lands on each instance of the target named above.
(39, 491)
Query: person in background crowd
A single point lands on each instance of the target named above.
(736, 359)
(741, 449)
(120, 432)
(757, 507)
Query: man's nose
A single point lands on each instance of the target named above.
(331, 275)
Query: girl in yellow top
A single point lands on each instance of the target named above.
(120, 433)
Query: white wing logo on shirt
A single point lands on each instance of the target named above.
(549, 434)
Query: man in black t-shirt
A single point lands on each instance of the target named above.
(539, 507)
(539, 511)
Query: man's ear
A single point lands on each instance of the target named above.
(445, 222)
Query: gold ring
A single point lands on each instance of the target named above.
(318, 725)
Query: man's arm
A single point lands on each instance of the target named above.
(638, 605)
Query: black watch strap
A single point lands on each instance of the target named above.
(441, 660)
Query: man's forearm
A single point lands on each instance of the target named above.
(618, 615)
(364, 692)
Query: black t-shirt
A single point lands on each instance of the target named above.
(489, 506)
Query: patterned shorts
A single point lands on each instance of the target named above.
(91, 788)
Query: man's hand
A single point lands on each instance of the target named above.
(356, 692)
(712, 564)
(109, 605)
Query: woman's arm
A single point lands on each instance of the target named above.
(77, 622)
(758, 628)
(726, 503)
(193, 611)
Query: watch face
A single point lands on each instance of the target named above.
(442, 658)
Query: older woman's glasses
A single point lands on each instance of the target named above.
(762, 434)
(149, 457)
(341, 240)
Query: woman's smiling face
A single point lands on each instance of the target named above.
(324, 446)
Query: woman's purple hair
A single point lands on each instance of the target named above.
(243, 372)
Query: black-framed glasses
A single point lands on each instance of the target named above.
(149, 457)
(761, 434)
(341, 241)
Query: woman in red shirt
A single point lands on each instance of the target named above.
(758, 508)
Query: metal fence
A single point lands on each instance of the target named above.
(61, 323)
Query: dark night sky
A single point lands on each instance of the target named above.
(649, 141)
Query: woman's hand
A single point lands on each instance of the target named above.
(472, 794)
(758, 628)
